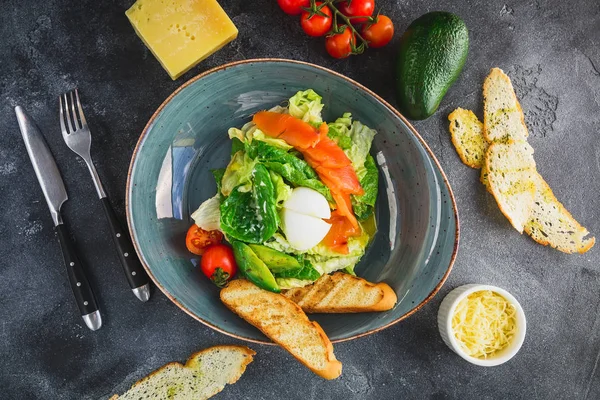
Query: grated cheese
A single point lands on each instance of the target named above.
(484, 323)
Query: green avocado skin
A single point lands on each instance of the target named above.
(431, 56)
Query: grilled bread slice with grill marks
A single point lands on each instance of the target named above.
(284, 322)
(343, 293)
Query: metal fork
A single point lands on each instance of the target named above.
(77, 136)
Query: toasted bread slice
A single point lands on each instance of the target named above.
(284, 322)
(503, 117)
(483, 177)
(466, 132)
(203, 375)
(509, 156)
(511, 178)
(343, 293)
(509, 171)
(551, 224)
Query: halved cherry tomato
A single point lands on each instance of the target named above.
(197, 239)
(293, 7)
(380, 32)
(316, 25)
(218, 264)
(357, 8)
(340, 44)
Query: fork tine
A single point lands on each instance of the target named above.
(68, 117)
(63, 128)
(74, 114)
(81, 116)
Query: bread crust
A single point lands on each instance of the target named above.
(522, 181)
(495, 75)
(190, 363)
(545, 197)
(473, 155)
(305, 296)
(273, 329)
(544, 218)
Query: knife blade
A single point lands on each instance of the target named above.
(53, 187)
(43, 164)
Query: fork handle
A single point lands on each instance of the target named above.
(84, 296)
(136, 275)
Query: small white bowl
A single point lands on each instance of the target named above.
(446, 312)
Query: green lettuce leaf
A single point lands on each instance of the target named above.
(369, 180)
(307, 106)
(218, 175)
(236, 145)
(362, 211)
(238, 174)
(295, 178)
(250, 132)
(251, 216)
(339, 131)
(237, 133)
(279, 242)
(362, 137)
(266, 152)
(290, 283)
(308, 272)
(293, 169)
(327, 266)
(282, 191)
(208, 215)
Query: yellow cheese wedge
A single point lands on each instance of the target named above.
(181, 33)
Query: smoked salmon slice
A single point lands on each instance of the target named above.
(294, 131)
(344, 206)
(324, 155)
(328, 154)
(342, 179)
(341, 229)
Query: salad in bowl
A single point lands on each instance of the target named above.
(295, 202)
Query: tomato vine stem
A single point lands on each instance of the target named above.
(335, 29)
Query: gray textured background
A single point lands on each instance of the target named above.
(551, 49)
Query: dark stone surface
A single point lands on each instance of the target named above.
(550, 48)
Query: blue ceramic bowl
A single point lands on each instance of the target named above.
(169, 176)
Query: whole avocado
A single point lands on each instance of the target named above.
(431, 56)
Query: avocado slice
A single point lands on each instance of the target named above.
(432, 53)
(253, 268)
(275, 260)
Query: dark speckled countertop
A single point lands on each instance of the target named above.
(551, 49)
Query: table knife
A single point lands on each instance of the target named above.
(55, 193)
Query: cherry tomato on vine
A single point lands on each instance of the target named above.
(380, 32)
(218, 264)
(357, 8)
(317, 25)
(293, 7)
(197, 239)
(340, 44)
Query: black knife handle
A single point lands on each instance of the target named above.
(79, 283)
(136, 275)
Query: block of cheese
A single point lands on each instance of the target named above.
(181, 33)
